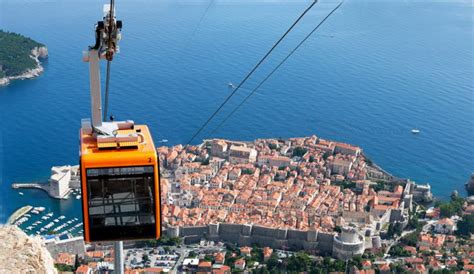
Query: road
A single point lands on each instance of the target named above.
(404, 233)
(426, 228)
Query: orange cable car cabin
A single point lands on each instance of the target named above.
(120, 187)
(118, 160)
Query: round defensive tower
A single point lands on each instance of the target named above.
(348, 243)
(349, 235)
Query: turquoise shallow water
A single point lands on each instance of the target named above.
(374, 71)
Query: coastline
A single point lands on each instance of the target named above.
(37, 53)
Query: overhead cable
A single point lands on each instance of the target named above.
(275, 69)
(251, 72)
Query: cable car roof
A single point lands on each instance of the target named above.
(143, 153)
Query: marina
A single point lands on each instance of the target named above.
(35, 221)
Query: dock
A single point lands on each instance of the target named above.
(18, 214)
(35, 185)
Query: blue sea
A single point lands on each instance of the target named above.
(375, 70)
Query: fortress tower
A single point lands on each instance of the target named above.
(348, 243)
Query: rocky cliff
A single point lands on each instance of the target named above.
(22, 254)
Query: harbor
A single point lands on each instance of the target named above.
(64, 181)
(46, 220)
(39, 221)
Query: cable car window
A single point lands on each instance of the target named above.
(121, 199)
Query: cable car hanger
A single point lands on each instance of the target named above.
(107, 36)
(120, 180)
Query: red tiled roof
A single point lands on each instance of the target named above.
(83, 269)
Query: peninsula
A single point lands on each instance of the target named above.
(303, 193)
(296, 205)
(19, 57)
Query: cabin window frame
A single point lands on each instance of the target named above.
(114, 228)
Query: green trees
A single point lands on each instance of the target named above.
(380, 185)
(446, 210)
(392, 231)
(299, 262)
(247, 171)
(411, 239)
(299, 151)
(466, 225)
(272, 263)
(206, 162)
(398, 251)
(15, 51)
(328, 265)
(345, 184)
(256, 254)
(164, 241)
(302, 262)
(397, 268)
(272, 146)
(326, 155)
(64, 267)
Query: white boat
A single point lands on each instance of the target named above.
(21, 193)
(50, 214)
(40, 208)
(78, 197)
(61, 217)
(415, 131)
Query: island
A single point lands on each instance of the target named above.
(19, 57)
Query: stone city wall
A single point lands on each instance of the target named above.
(246, 235)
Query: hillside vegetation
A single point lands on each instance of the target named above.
(15, 51)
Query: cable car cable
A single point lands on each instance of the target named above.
(252, 71)
(201, 19)
(275, 69)
(106, 97)
(109, 59)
